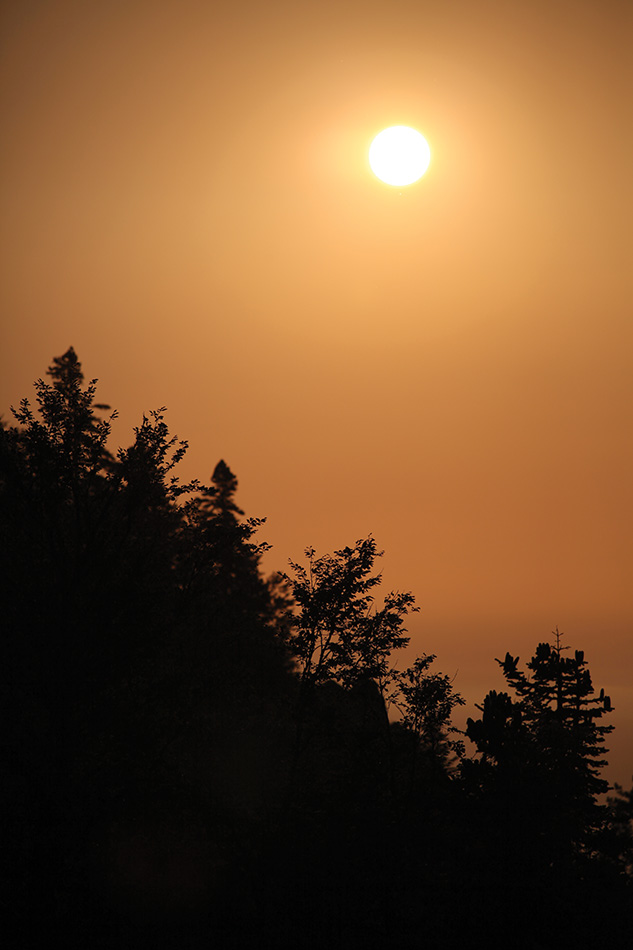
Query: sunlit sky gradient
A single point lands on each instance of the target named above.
(187, 200)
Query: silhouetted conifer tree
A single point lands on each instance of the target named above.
(541, 755)
(561, 712)
(223, 556)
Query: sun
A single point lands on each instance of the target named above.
(399, 155)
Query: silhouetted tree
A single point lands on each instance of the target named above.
(542, 836)
(68, 434)
(336, 633)
(221, 556)
(500, 737)
(541, 755)
(426, 702)
(341, 645)
(561, 712)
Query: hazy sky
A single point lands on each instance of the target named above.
(186, 199)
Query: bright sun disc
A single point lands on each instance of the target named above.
(399, 155)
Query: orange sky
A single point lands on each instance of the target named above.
(186, 199)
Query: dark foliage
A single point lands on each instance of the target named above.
(535, 788)
(196, 755)
(549, 744)
(336, 633)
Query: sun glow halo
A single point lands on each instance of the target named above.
(399, 155)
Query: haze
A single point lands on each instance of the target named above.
(186, 200)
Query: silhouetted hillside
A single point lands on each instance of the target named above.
(200, 756)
